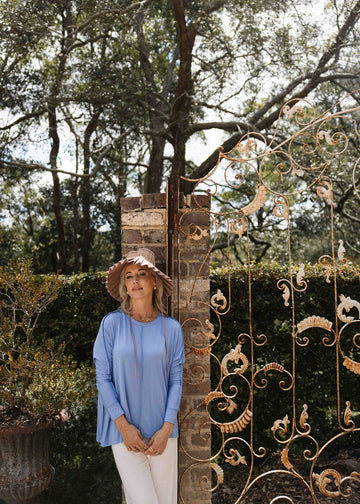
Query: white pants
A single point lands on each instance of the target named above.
(147, 479)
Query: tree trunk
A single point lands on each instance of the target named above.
(61, 253)
(154, 175)
(86, 193)
(180, 114)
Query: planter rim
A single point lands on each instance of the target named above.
(25, 428)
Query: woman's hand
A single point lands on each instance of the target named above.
(158, 442)
(132, 437)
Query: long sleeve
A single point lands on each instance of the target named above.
(103, 349)
(175, 380)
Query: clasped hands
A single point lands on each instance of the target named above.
(135, 442)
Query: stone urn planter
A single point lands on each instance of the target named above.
(25, 469)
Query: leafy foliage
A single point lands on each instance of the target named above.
(38, 382)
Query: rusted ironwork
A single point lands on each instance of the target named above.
(280, 173)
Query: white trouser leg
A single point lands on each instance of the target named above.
(164, 473)
(147, 479)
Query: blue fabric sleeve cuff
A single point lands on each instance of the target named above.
(115, 411)
(171, 415)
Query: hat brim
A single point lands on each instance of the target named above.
(114, 273)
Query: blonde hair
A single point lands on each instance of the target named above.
(158, 293)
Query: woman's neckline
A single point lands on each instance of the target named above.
(145, 322)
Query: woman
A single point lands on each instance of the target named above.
(138, 355)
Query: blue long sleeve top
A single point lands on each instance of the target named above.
(153, 396)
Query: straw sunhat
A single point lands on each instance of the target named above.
(142, 256)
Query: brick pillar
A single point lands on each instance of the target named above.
(144, 222)
(194, 299)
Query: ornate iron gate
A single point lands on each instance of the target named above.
(282, 173)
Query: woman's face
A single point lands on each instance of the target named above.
(139, 282)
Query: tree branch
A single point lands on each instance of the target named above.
(99, 159)
(314, 78)
(30, 115)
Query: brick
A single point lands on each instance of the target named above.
(197, 440)
(143, 219)
(199, 269)
(130, 204)
(201, 200)
(184, 270)
(190, 249)
(195, 200)
(129, 235)
(198, 388)
(155, 236)
(199, 312)
(157, 200)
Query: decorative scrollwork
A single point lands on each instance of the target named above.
(283, 285)
(219, 475)
(341, 251)
(257, 202)
(346, 304)
(327, 269)
(238, 227)
(281, 426)
(348, 414)
(300, 276)
(281, 208)
(325, 191)
(200, 330)
(236, 458)
(328, 478)
(235, 355)
(304, 417)
(198, 233)
(328, 137)
(314, 321)
(279, 169)
(285, 458)
(237, 425)
(296, 108)
(273, 366)
(201, 351)
(352, 365)
(218, 301)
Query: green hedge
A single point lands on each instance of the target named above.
(74, 317)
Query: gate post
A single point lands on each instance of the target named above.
(144, 222)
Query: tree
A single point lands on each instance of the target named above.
(126, 85)
(62, 73)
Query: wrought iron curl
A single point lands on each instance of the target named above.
(234, 458)
(331, 138)
(312, 322)
(280, 428)
(260, 339)
(325, 189)
(273, 366)
(237, 176)
(354, 182)
(293, 108)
